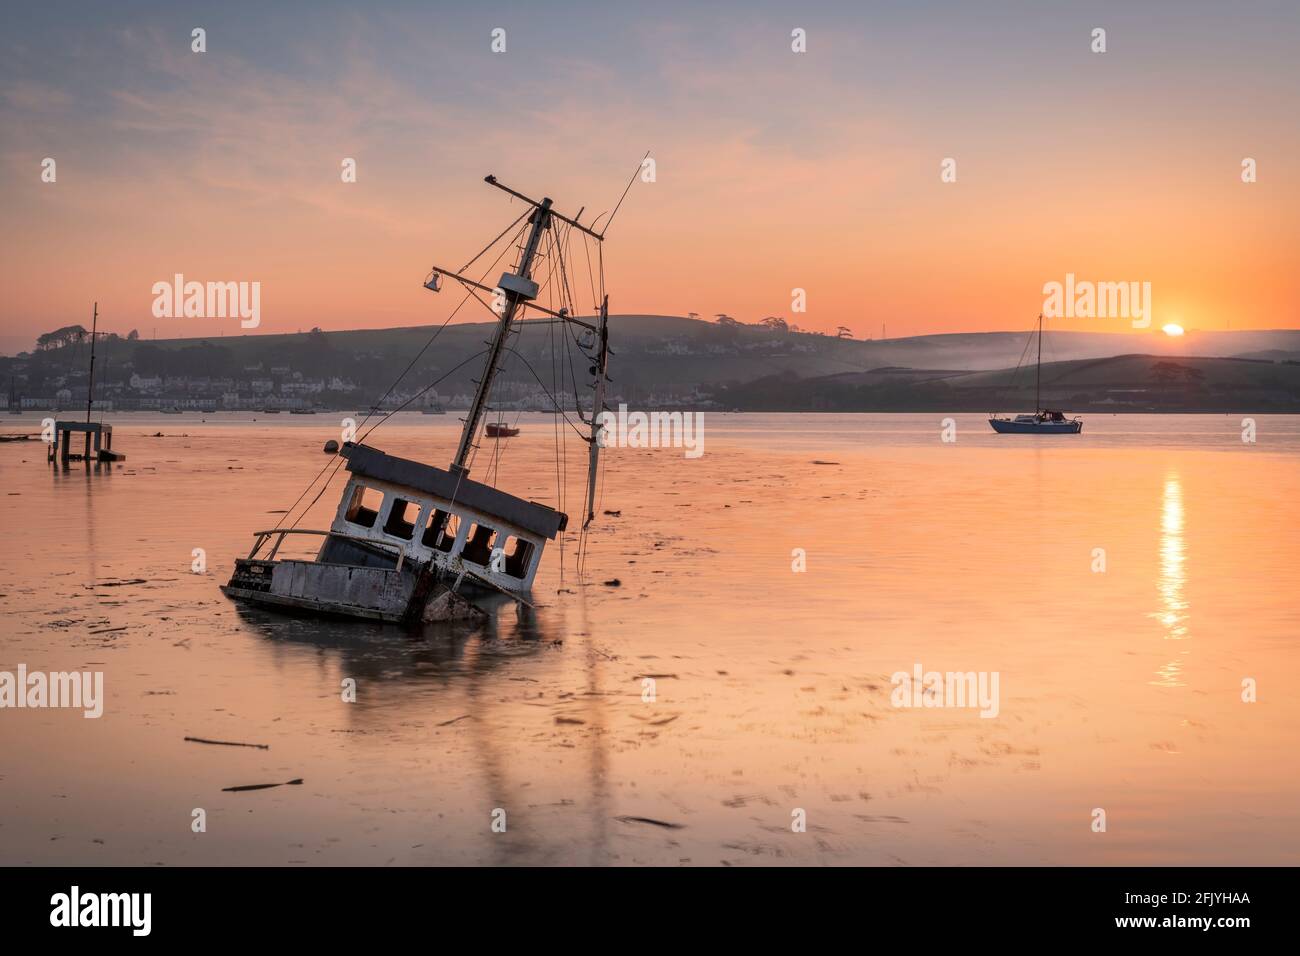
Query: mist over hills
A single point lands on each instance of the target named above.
(1135, 383)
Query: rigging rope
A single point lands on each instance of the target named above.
(558, 286)
(374, 408)
(1015, 375)
(337, 459)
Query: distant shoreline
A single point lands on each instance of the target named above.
(667, 363)
(454, 415)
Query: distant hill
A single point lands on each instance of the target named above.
(972, 351)
(1119, 383)
(662, 360)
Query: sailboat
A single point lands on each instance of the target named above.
(409, 541)
(1044, 421)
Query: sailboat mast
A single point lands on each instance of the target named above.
(90, 384)
(1038, 375)
(521, 289)
(597, 406)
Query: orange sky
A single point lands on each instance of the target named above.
(775, 170)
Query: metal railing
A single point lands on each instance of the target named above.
(279, 534)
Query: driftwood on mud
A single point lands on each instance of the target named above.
(226, 743)
(261, 786)
(653, 822)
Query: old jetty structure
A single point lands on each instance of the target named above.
(412, 542)
(98, 443)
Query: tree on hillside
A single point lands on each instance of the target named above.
(775, 323)
(842, 332)
(724, 319)
(61, 337)
(1166, 372)
(133, 335)
(693, 315)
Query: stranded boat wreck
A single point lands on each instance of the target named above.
(409, 540)
(403, 530)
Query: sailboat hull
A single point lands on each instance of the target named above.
(1004, 426)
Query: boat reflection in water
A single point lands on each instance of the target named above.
(404, 677)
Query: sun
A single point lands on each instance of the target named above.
(1172, 329)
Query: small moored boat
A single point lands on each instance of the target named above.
(1044, 421)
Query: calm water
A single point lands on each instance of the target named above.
(1119, 690)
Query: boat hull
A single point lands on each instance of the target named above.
(367, 593)
(1005, 426)
(370, 593)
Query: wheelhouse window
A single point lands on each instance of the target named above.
(518, 554)
(363, 509)
(478, 544)
(449, 523)
(401, 519)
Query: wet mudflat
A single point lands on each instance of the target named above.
(688, 714)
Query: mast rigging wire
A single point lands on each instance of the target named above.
(374, 408)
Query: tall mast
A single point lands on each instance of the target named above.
(517, 288)
(90, 385)
(597, 406)
(1038, 376)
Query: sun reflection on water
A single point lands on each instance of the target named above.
(1170, 586)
